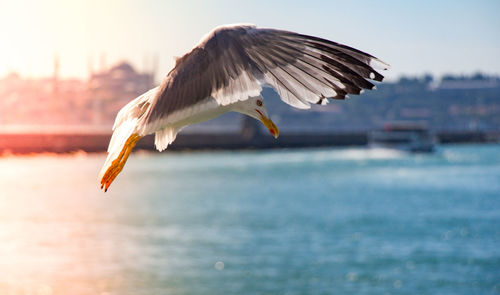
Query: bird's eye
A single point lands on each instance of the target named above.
(259, 103)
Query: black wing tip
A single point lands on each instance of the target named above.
(376, 76)
(339, 97)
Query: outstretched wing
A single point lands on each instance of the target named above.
(232, 62)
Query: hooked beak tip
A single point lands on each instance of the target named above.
(273, 129)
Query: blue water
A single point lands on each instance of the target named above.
(316, 221)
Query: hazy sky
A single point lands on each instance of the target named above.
(413, 36)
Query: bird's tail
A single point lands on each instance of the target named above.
(125, 136)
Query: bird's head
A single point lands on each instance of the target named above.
(255, 108)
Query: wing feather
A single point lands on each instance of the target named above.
(233, 62)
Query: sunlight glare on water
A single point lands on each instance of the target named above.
(283, 221)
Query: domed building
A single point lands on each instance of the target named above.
(110, 90)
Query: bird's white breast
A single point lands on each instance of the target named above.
(197, 113)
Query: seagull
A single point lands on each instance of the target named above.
(225, 72)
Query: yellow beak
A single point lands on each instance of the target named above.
(273, 129)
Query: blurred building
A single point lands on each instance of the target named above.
(453, 104)
(29, 101)
(111, 89)
(56, 101)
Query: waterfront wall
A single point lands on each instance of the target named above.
(98, 142)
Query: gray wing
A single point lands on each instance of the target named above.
(232, 63)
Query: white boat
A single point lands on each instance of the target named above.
(410, 137)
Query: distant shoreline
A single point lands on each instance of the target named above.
(91, 141)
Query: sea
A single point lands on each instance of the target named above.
(298, 221)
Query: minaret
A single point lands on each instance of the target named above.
(145, 66)
(55, 77)
(154, 70)
(90, 66)
(103, 62)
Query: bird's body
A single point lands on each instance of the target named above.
(226, 71)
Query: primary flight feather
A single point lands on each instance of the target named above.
(226, 71)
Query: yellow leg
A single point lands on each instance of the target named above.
(117, 165)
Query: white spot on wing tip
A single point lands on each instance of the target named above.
(372, 75)
(378, 64)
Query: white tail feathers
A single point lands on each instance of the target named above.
(164, 137)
